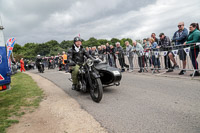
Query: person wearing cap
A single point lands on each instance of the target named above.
(180, 36)
(76, 56)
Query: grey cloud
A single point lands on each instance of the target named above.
(43, 20)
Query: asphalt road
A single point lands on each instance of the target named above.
(141, 104)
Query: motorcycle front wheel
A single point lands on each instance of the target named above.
(96, 90)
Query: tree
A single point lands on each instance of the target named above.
(66, 44)
(17, 48)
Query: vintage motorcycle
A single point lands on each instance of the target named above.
(96, 74)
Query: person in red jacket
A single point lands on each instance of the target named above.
(22, 65)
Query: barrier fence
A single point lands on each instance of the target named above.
(148, 58)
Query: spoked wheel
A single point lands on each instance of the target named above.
(96, 90)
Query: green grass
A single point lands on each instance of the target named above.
(24, 96)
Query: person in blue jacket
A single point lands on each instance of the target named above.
(180, 36)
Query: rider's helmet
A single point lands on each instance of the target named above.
(38, 56)
(76, 39)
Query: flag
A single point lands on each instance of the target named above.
(10, 44)
(175, 52)
(187, 50)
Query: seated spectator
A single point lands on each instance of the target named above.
(179, 38)
(194, 37)
(164, 42)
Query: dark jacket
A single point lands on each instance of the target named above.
(77, 57)
(38, 60)
(121, 52)
(180, 36)
(164, 43)
(107, 49)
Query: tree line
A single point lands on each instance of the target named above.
(52, 48)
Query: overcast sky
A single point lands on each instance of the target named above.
(43, 20)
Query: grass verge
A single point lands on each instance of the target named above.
(24, 96)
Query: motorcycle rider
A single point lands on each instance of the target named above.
(76, 57)
(38, 60)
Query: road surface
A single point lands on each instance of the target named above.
(141, 104)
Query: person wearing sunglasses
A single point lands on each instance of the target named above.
(194, 37)
(180, 36)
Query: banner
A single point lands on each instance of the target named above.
(164, 53)
(187, 50)
(147, 54)
(141, 53)
(156, 54)
(175, 52)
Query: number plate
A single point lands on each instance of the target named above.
(116, 72)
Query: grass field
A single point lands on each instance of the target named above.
(23, 97)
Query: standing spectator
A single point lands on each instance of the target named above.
(100, 51)
(107, 48)
(137, 47)
(64, 57)
(90, 51)
(179, 38)
(146, 47)
(153, 35)
(22, 64)
(60, 63)
(87, 50)
(155, 60)
(194, 37)
(120, 53)
(144, 44)
(112, 56)
(129, 55)
(94, 52)
(104, 49)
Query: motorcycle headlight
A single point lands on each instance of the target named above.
(89, 62)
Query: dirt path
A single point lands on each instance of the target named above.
(57, 113)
